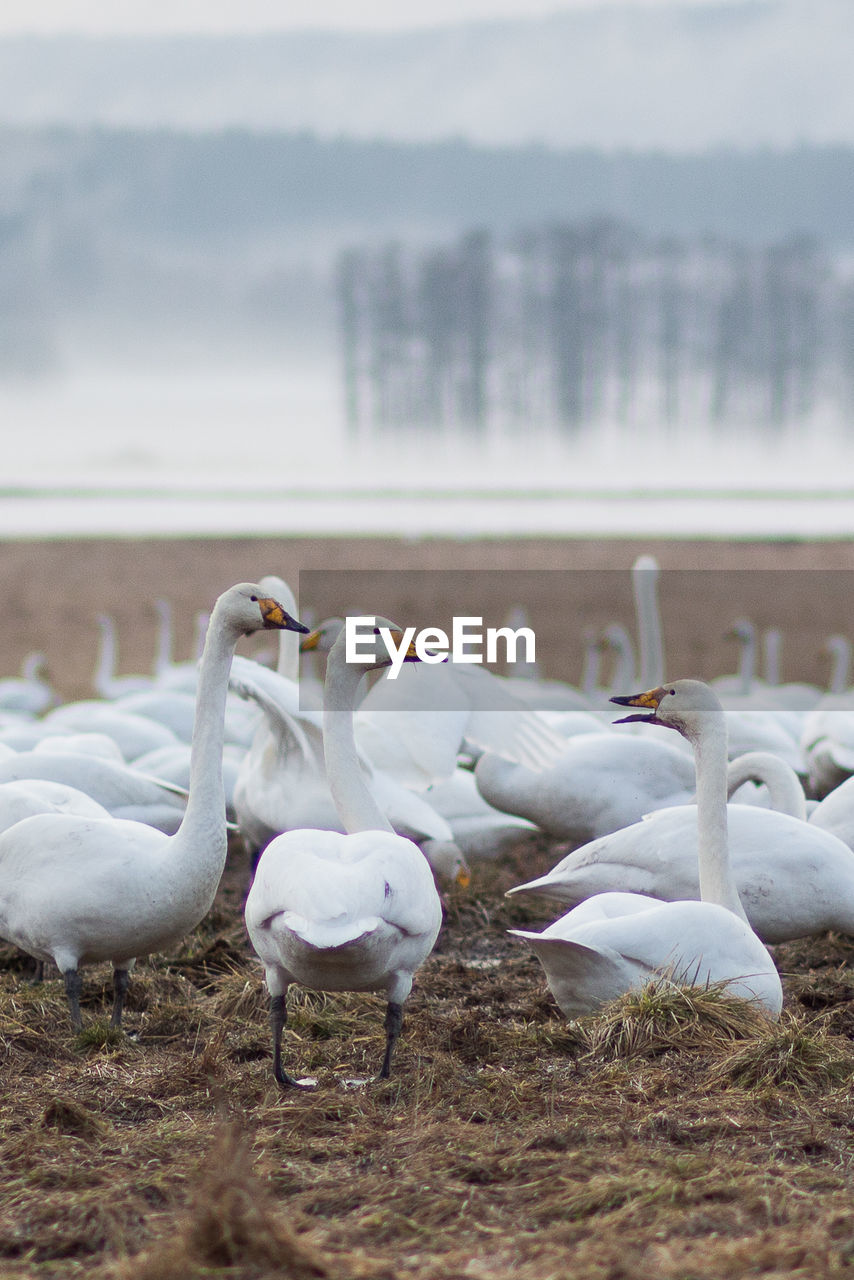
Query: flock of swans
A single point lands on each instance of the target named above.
(690, 851)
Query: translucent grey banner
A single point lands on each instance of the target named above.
(767, 639)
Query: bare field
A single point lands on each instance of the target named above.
(54, 589)
(662, 1140)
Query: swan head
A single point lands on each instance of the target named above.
(688, 706)
(323, 636)
(742, 629)
(374, 651)
(249, 608)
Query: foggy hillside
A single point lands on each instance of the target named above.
(680, 78)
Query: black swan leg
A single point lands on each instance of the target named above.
(393, 1027)
(73, 989)
(120, 986)
(278, 1021)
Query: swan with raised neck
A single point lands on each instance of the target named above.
(76, 890)
(614, 941)
(352, 912)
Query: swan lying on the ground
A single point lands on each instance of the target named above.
(615, 941)
(792, 878)
(599, 783)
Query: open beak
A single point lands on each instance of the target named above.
(648, 701)
(278, 619)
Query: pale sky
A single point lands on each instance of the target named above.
(103, 17)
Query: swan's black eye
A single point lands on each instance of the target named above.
(673, 693)
(254, 599)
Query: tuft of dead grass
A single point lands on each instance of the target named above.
(788, 1055)
(663, 1017)
(68, 1116)
(231, 1221)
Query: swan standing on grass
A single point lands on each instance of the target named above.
(614, 942)
(77, 890)
(354, 912)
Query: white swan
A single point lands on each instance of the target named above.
(615, 941)
(105, 681)
(777, 786)
(481, 832)
(282, 782)
(793, 878)
(76, 890)
(30, 693)
(743, 684)
(169, 674)
(838, 649)
(350, 912)
(599, 783)
(119, 787)
(416, 727)
(645, 578)
(19, 800)
(134, 734)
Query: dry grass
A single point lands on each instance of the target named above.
(677, 1134)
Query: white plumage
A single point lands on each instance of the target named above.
(615, 940)
(337, 912)
(77, 890)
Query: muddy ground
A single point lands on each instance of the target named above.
(661, 1140)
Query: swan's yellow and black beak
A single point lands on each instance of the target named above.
(311, 641)
(648, 701)
(278, 619)
(410, 655)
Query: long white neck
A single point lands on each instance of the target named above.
(624, 667)
(592, 664)
(771, 642)
(650, 643)
(357, 808)
(839, 648)
(32, 667)
(785, 792)
(747, 664)
(163, 657)
(717, 883)
(204, 818)
(105, 668)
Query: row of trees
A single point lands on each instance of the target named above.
(576, 325)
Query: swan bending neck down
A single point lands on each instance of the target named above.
(77, 890)
(353, 912)
(613, 942)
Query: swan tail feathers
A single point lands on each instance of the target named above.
(330, 935)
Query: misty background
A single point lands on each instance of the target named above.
(615, 227)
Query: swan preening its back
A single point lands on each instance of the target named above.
(615, 941)
(77, 890)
